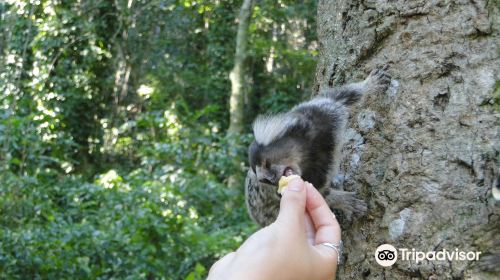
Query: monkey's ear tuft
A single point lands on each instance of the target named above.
(270, 128)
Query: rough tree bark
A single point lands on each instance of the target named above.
(425, 154)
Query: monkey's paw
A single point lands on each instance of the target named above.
(378, 81)
(347, 202)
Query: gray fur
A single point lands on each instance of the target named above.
(307, 139)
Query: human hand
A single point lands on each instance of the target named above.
(289, 248)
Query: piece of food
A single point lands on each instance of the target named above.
(283, 183)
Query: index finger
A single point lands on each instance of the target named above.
(326, 226)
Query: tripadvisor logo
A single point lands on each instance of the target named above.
(387, 255)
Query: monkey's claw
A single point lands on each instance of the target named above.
(378, 81)
(346, 201)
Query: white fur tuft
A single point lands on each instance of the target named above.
(269, 128)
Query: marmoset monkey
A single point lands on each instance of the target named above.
(306, 141)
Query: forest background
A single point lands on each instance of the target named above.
(124, 127)
(114, 154)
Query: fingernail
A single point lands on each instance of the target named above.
(296, 185)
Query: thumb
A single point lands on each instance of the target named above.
(293, 204)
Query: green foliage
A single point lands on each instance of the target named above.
(114, 157)
(136, 226)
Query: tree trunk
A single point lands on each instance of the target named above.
(425, 154)
(237, 75)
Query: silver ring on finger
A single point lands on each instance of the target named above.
(339, 248)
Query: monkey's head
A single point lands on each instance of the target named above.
(280, 158)
(278, 149)
(293, 143)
